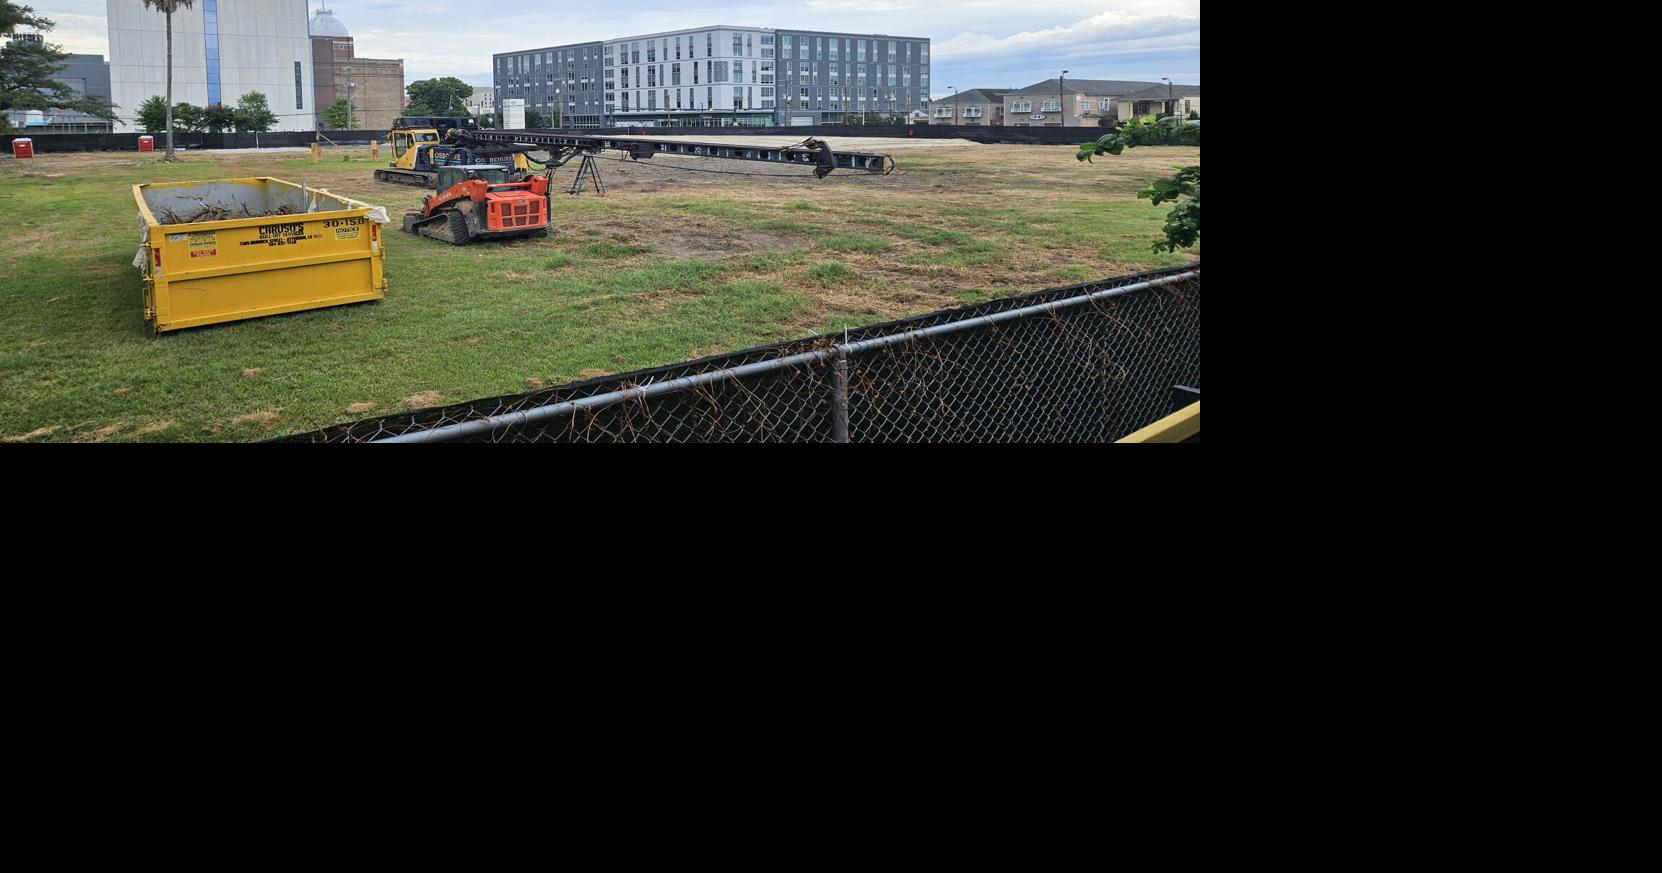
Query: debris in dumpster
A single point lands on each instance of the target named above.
(216, 213)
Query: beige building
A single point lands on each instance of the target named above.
(482, 103)
(1159, 100)
(374, 87)
(1084, 102)
(977, 106)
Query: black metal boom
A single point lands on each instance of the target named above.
(810, 152)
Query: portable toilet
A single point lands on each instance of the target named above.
(23, 147)
(147, 143)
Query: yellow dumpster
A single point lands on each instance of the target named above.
(242, 248)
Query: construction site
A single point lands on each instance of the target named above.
(549, 287)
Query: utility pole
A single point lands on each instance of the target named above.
(1061, 113)
(954, 105)
(1171, 100)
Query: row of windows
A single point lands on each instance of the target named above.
(694, 98)
(745, 44)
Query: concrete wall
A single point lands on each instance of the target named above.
(260, 41)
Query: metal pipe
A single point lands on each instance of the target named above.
(598, 401)
(840, 354)
(839, 396)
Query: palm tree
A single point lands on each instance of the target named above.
(168, 7)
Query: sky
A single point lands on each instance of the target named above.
(974, 43)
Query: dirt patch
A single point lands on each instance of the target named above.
(107, 431)
(155, 426)
(534, 384)
(265, 419)
(592, 373)
(360, 408)
(55, 299)
(252, 373)
(122, 392)
(472, 340)
(38, 432)
(421, 400)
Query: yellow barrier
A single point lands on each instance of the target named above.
(1174, 428)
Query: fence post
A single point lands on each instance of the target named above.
(317, 152)
(839, 397)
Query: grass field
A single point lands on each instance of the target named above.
(669, 265)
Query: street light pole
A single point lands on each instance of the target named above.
(1061, 114)
(954, 105)
(1171, 100)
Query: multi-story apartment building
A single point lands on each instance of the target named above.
(720, 76)
(1084, 102)
(983, 106)
(222, 49)
(561, 83)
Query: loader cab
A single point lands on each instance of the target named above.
(492, 174)
(404, 144)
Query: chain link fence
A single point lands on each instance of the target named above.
(1082, 363)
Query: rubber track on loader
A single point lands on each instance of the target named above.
(405, 177)
(448, 227)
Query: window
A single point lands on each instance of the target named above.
(1084, 104)
(634, 53)
(1051, 106)
(1021, 106)
(738, 98)
(675, 74)
(652, 52)
(943, 112)
(738, 45)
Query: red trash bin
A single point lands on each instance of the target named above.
(147, 143)
(23, 147)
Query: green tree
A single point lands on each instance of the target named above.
(1183, 222)
(187, 117)
(338, 115)
(167, 8)
(28, 70)
(443, 96)
(253, 114)
(218, 118)
(152, 115)
(488, 120)
(533, 118)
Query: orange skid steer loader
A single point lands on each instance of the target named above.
(477, 202)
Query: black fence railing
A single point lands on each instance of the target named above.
(1082, 363)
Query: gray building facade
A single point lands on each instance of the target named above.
(720, 76)
(560, 82)
(86, 75)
